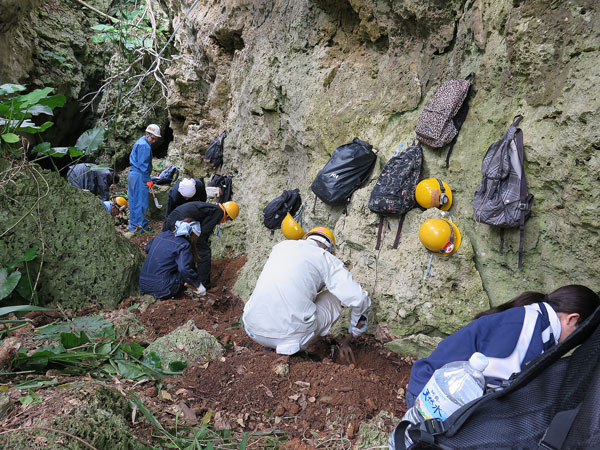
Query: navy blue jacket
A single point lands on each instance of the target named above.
(208, 214)
(96, 181)
(509, 339)
(176, 199)
(168, 266)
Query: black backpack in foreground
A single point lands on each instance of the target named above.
(552, 404)
(502, 199)
(274, 213)
(347, 169)
(394, 192)
(214, 152)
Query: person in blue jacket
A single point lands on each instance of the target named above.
(186, 190)
(510, 335)
(140, 161)
(209, 215)
(171, 262)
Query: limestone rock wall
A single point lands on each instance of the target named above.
(292, 80)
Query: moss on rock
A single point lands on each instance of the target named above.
(186, 343)
(82, 413)
(83, 260)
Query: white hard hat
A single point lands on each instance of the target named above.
(153, 129)
(187, 187)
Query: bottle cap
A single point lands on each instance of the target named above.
(478, 361)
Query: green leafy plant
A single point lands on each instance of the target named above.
(16, 113)
(7, 323)
(11, 278)
(17, 110)
(31, 398)
(88, 345)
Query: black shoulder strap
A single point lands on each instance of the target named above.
(559, 428)
(397, 240)
(523, 199)
(381, 220)
(460, 117)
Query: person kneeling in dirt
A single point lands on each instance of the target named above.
(289, 308)
(115, 206)
(510, 335)
(171, 262)
(209, 215)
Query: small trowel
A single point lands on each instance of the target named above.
(158, 205)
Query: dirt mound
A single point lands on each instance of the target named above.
(243, 389)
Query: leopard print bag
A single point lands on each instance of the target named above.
(436, 126)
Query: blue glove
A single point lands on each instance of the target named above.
(357, 329)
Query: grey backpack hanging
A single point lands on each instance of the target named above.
(502, 199)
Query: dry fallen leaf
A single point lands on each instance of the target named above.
(164, 395)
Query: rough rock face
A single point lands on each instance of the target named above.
(292, 80)
(83, 259)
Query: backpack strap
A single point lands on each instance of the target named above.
(559, 428)
(315, 204)
(379, 230)
(523, 199)
(460, 116)
(400, 223)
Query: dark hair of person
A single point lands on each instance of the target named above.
(569, 299)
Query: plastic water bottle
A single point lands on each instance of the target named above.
(398, 150)
(451, 386)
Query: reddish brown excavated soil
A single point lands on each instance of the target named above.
(320, 393)
(319, 402)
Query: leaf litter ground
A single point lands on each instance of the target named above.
(320, 402)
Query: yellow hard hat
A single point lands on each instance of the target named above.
(120, 203)
(290, 228)
(433, 193)
(326, 233)
(440, 236)
(232, 209)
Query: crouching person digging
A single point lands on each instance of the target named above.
(172, 262)
(299, 296)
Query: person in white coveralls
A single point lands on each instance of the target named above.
(300, 293)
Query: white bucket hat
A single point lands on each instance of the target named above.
(187, 187)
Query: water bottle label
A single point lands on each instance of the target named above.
(433, 403)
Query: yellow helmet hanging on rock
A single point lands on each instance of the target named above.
(290, 228)
(326, 233)
(440, 236)
(433, 193)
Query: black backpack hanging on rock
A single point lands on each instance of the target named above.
(551, 404)
(225, 183)
(167, 176)
(347, 169)
(214, 152)
(443, 116)
(394, 192)
(288, 202)
(502, 199)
